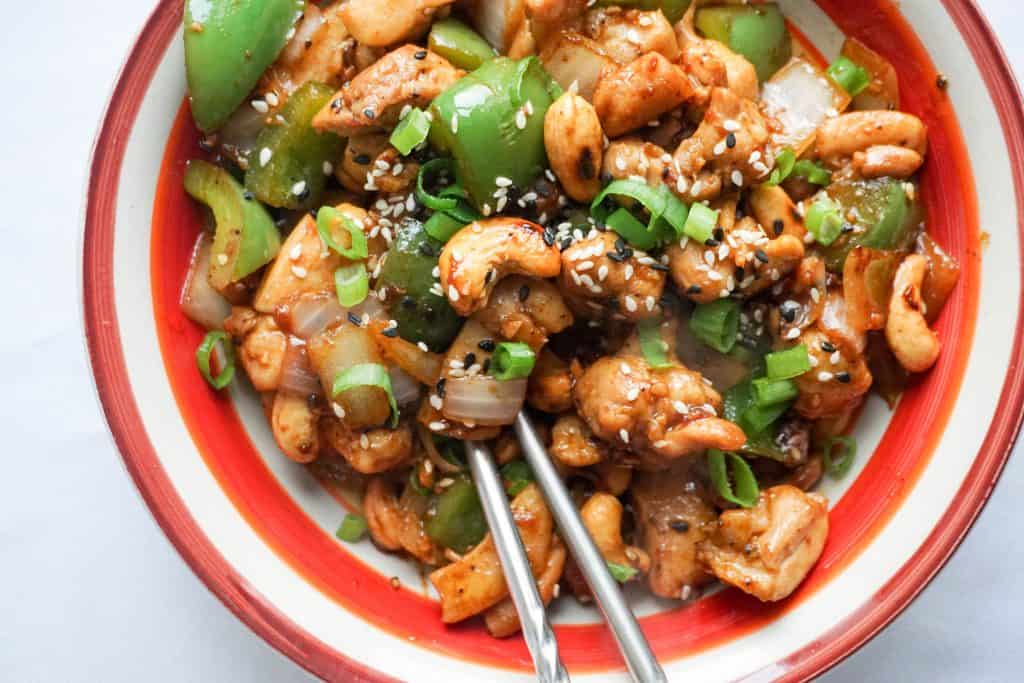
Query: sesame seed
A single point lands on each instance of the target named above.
(719, 149)
(260, 106)
(793, 333)
(681, 407)
(338, 410)
(624, 435)
(453, 293)
(520, 119)
(650, 302)
(423, 347)
(455, 123)
(222, 259)
(299, 188)
(624, 367)
(299, 272)
(328, 168)
(528, 107)
(436, 426)
(436, 402)
(737, 178)
(265, 156)
(628, 272)
(730, 125)
(835, 358)
(296, 252)
(271, 98)
(502, 181)
(630, 303)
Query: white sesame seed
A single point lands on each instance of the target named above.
(793, 333)
(528, 107)
(436, 426)
(265, 156)
(624, 435)
(453, 294)
(299, 272)
(602, 273)
(299, 187)
(681, 407)
(737, 178)
(630, 303)
(397, 169)
(455, 123)
(271, 98)
(520, 119)
(486, 209)
(584, 265)
(695, 189)
(328, 168)
(502, 181)
(719, 149)
(296, 252)
(824, 376)
(632, 394)
(260, 106)
(714, 275)
(815, 295)
(812, 361)
(628, 271)
(624, 367)
(222, 259)
(835, 358)
(730, 125)
(436, 402)
(422, 346)
(709, 257)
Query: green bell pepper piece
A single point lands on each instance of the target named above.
(422, 314)
(886, 217)
(758, 423)
(475, 122)
(459, 44)
(293, 177)
(228, 46)
(246, 238)
(455, 519)
(758, 32)
(672, 9)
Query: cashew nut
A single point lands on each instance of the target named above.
(383, 516)
(294, 425)
(913, 343)
(262, 350)
(776, 212)
(841, 137)
(550, 385)
(574, 142)
(887, 160)
(376, 450)
(573, 444)
(479, 255)
(602, 515)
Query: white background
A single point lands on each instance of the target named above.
(90, 590)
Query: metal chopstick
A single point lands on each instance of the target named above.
(540, 639)
(642, 664)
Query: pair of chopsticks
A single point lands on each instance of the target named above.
(540, 639)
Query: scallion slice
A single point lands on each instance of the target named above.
(327, 218)
(633, 231)
(517, 475)
(814, 173)
(414, 483)
(442, 227)
(700, 224)
(352, 528)
(716, 324)
(771, 392)
(620, 572)
(849, 75)
(205, 350)
(653, 347)
(757, 418)
(367, 375)
(665, 209)
(410, 131)
(825, 221)
(352, 284)
(441, 201)
(741, 488)
(512, 360)
(839, 467)
(788, 364)
(785, 161)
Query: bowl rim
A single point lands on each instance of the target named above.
(139, 456)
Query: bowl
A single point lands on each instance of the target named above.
(258, 529)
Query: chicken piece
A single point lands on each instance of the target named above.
(361, 166)
(602, 271)
(712, 62)
(371, 451)
(262, 346)
(320, 51)
(294, 426)
(502, 620)
(525, 310)
(658, 415)
(379, 23)
(836, 381)
(767, 551)
(626, 35)
(731, 144)
(373, 100)
(395, 523)
(550, 385)
(639, 92)
(573, 444)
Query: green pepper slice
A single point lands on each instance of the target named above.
(286, 167)
(886, 217)
(758, 32)
(246, 238)
(228, 46)
(459, 44)
(672, 9)
(455, 519)
(491, 122)
(423, 315)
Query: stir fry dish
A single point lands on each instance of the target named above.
(687, 247)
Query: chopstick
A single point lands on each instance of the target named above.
(642, 664)
(540, 639)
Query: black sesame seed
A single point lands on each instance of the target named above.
(711, 242)
(248, 196)
(486, 345)
(739, 274)
(390, 332)
(408, 302)
(941, 82)
(680, 525)
(615, 256)
(847, 228)
(488, 277)
(761, 256)
(719, 234)
(427, 249)
(730, 140)
(693, 289)
(778, 226)
(524, 292)
(549, 236)
(369, 113)
(659, 266)
(355, 320)
(420, 54)
(788, 310)
(362, 159)
(486, 365)
(565, 244)
(828, 347)
(439, 388)
(844, 377)
(206, 145)
(469, 359)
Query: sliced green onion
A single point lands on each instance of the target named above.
(205, 350)
(838, 468)
(442, 227)
(787, 364)
(814, 173)
(649, 197)
(849, 75)
(700, 224)
(633, 231)
(737, 400)
(620, 572)
(367, 375)
(742, 489)
(758, 418)
(512, 360)
(414, 483)
(675, 212)
(771, 392)
(441, 201)
(410, 131)
(328, 217)
(784, 164)
(352, 528)
(716, 324)
(825, 221)
(352, 284)
(653, 347)
(517, 475)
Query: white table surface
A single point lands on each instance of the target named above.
(90, 590)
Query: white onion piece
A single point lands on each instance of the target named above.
(483, 400)
(837, 327)
(311, 314)
(200, 302)
(338, 349)
(237, 137)
(297, 375)
(405, 389)
(295, 50)
(572, 57)
(496, 19)
(800, 98)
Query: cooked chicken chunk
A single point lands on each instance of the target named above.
(837, 380)
(603, 271)
(526, 310)
(639, 92)
(379, 23)
(626, 35)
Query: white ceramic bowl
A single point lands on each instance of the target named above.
(259, 530)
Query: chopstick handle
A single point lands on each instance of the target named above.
(642, 664)
(540, 638)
